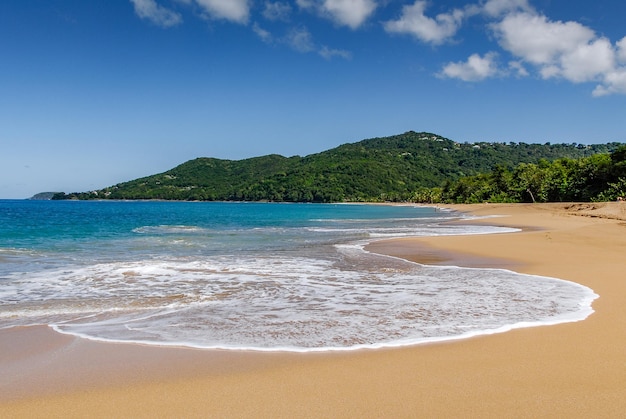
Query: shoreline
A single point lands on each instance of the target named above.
(575, 369)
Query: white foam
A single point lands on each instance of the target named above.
(169, 229)
(296, 303)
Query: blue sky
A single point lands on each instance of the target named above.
(96, 92)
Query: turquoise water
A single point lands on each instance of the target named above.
(260, 276)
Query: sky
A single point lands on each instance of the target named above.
(97, 92)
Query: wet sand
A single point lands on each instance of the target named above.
(568, 370)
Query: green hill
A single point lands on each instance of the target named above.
(43, 196)
(377, 169)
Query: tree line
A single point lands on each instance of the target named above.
(600, 177)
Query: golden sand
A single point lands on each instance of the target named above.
(571, 370)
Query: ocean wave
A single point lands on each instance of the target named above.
(170, 229)
(292, 303)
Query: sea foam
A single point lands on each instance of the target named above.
(294, 303)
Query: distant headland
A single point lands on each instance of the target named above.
(43, 196)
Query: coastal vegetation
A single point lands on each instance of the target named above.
(600, 177)
(414, 167)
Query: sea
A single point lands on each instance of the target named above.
(256, 276)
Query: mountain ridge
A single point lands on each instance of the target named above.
(376, 169)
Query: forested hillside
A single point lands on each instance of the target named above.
(396, 168)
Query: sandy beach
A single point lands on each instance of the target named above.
(574, 370)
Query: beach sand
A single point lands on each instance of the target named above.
(571, 370)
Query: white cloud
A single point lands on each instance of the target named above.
(329, 53)
(476, 68)
(496, 8)
(300, 39)
(567, 50)
(276, 10)
(621, 50)
(351, 13)
(159, 15)
(537, 40)
(265, 36)
(614, 83)
(588, 62)
(432, 30)
(550, 49)
(234, 10)
(518, 68)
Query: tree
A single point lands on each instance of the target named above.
(530, 179)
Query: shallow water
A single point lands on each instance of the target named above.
(256, 276)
